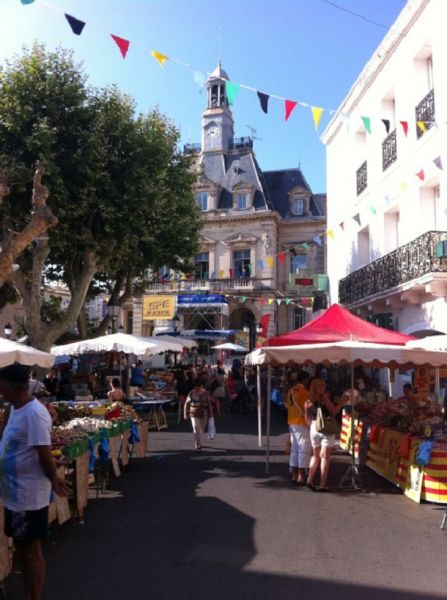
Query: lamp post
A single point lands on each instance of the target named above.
(8, 330)
(175, 322)
(113, 311)
(252, 328)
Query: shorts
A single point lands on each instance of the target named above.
(320, 440)
(26, 525)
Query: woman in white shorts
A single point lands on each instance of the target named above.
(321, 444)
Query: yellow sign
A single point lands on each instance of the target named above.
(158, 307)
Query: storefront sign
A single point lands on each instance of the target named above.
(158, 307)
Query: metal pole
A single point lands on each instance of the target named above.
(269, 387)
(258, 374)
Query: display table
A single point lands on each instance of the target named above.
(417, 482)
(151, 410)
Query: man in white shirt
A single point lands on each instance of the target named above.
(28, 475)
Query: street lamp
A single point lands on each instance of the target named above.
(8, 330)
(253, 329)
(113, 310)
(175, 322)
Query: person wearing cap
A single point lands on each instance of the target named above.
(28, 475)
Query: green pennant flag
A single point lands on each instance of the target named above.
(373, 210)
(367, 123)
(231, 90)
(243, 299)
(288, 300)
(305, 245)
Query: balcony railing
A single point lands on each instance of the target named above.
(243, 142)
(419, 257)
(214, 285)
(389, 150)
(192, 148)
(362, 178)
(425, 113)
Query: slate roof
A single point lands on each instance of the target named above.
(280, 183)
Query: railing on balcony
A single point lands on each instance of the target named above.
(206, 285)
(192, 148)
(362, 178)
(243, 142)
(389, 150)
(417, 258)
(425, 113)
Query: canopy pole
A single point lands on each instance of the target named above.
(352, 477)
(269, 389)
(258, 381)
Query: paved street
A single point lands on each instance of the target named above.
(187, 526)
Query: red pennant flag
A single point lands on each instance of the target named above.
(405, 126)
(282, 257)
(264, 323)
(262, 301)
(342, 226)
(290, 105)
(231, 273)
(122, 44)
(421, 175)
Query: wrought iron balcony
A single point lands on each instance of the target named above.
(425, 112)
(389, 150)
(362, 178)
(419, 257)
(192, 148)
(243, 142)
(206, 285)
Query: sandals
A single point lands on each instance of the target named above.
(323, 488)
(311, 486)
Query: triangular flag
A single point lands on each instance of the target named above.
(122, 44)
(162, 58)
(231, 273)
(231, 90)
(264, 100)
(289, 105)
(357, 219)
(386, 122)
(342, 226)
(76, 25)
(421, 175)
(438, 163)
(243, 299)
(421, 125)
(317, 239)
(249, 268)
(213, 275)
(366, 123)
(282, 257)
(261, 301)
(305, 245)
(292, 251)
(221, 274)
(317, 113)
(278, 301)
(270, 300)
(405, 126)
(373, 210)
(330, 233)
(288, 300)
(270, 261)
(260, 264)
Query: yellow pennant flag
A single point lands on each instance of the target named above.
(317, 113)
(404, 186)
(221, 274)
(270, 261)
(162, 58)
(330, 233)
(270, 300)
(421, 126)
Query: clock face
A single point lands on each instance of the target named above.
(212, 131)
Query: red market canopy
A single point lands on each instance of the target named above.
(337, 324)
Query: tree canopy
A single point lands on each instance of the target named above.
(119, 186)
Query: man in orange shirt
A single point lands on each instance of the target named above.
(300, 451)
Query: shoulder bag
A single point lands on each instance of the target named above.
(326, 425)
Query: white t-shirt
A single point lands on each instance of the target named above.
(24, 485)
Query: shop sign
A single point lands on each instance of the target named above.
(158, 307)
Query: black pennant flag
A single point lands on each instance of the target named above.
(76, 25)
(264, 100)
(386, 122)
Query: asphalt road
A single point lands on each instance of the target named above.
(190, 525)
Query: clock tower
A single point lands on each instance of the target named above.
(217, 120)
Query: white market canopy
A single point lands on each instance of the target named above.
(178, 341)
(116, 342)
(348, 353)
(431, 342)
(11, 352)
(230, 346)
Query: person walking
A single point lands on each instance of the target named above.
(28, 475)
(300, 447)
(322, 444)
(198, 408)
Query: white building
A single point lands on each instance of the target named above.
(387, 179)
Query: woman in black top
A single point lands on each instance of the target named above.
(322, 444)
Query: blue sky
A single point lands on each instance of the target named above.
(304, 50)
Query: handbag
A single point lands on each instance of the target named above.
(326, 425)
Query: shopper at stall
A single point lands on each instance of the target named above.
(116, 393)
(322, 444)
(51, 382)
(137, 375)
(300, 447)
(28, 474)
(408, 401)
(198, 408)
(36, 387)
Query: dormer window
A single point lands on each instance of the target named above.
(202, 201)
(297, 207)
(241, 202)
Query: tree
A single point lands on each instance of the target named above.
(119, 186)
